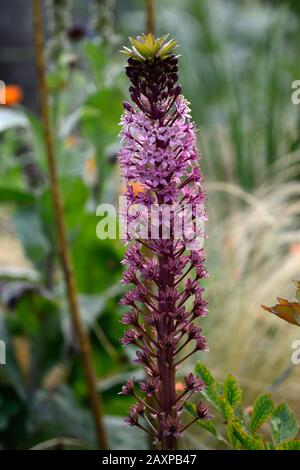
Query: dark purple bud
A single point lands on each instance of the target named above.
(150, 386)
(130, 337)
(201, 344)
(168, 342)
(170, 294)
(76, 33)
(202, 411)
(181, 315)
(130, 318)
(173, 60)
(193, 331)
(153, 319)
(128, 388)
(129, 277)
(200, 309)
(143, 357)
(193, 384)
(172, 427)
(169, 84)
(134, 413)
(177, 91)
(127, 106)
(192, 286)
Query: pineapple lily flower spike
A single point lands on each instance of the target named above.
(160, 165)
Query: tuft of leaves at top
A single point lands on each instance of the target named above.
(147, 47)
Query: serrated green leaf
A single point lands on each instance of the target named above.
(210, 390)
(225, 409)
(237, 433)
(210, 394)
(206, 377)
(262, 410)
(232, 391)
(219, 388)
(284, 425)
(232, 438)
(289, 445)
(208, 426)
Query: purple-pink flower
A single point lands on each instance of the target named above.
(159, 153)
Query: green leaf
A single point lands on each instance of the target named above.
(284, 425)
(31, 232)
(262, 410)
(91, 306)
(97, 57)
(17, 196)
(206, 377)
(100, 116)
(51, 414)
(225, 409)
(289, 445)
(237, 433)
(232, 391)
(10, 374)
(210, 390)
(231, 435)
(37, 138)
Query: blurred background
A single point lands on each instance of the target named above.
(239, 59)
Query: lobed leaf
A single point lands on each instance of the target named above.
(226, 409)
(232, 391)
(283, 423)
(202, 371)
(210, 390)
(289, 445)
(262, 410)
(237, 434)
